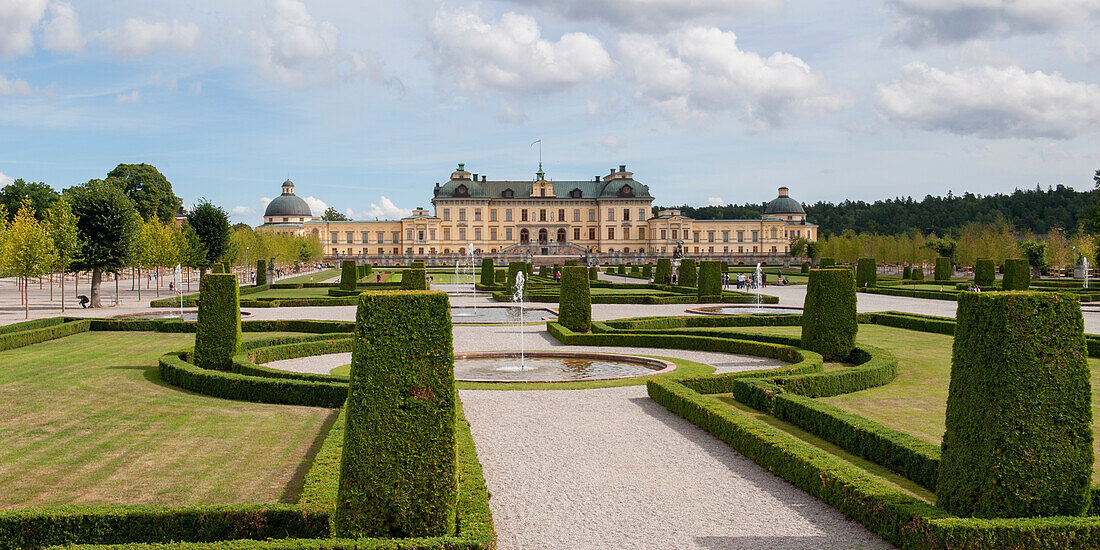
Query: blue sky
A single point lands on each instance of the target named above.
(365, 105)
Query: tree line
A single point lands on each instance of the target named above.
(124, 221)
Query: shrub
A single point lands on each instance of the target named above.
(487, 272)
(829, 314)
(1019, 436)
(414, 278)
(805, 267)
(635, 270)
(985, 272)
(663, 273)
(244, 387)
(1017, 274)
(569, 263)
(515, 268)
(555, 270)
(218, 337)
(397, 474)
(825, 263)
(866, 273)
(942, 272)
(710, 279)
(686, 276)
(367, 269)
(348, 275)
(217, 268)
(594, 273)
(501, 275)
(907, 273)
(529, 269)
(917, 273)
(261, 272)
(575, 304)
(647, 271)
(418, 263)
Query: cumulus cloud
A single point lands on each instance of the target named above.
(700, 70)
(510, 54)
(17, 18)
(316, 205)
(130, 97)
(244, 210)
(650, 14)
(14, 87)
(510, 115)
(715, 201)
(990, 102)
(5, 179)
(62, 33)
(930, 22)
(139, 37)
(1077, 50)
(385, 209)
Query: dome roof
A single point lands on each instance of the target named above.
(288, 204)
(783, 204)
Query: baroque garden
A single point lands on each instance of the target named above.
(638, 389)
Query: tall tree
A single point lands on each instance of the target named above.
(66, 242)
(211, 224)
(148, 188)
(28, 249)
(107, 226)
(191, 251)
(40, 195)
(334, 215)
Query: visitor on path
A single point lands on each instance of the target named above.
(84, 301)
(378, 278)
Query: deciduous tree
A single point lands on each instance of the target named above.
(107, 228)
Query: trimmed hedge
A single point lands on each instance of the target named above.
(544, 271)
(866, 273)
(515, 268)
(805, 267)
(1019, 414)
(349, 276)
(398, 471)
(26, 333)
(621, 269)
(985, 272)
(687, 275)
(261, 272)
(218, 337)
(174, 370)
(942, 271)
(826, 263)
(500, 275)
(663, 272)
(488, 272)
(710, 280)
(829, 314)
(575, 304)
(1016, 274)
(594, 273)
(647, 271)
(917, 273)
(415, 278)
(569, 263)
(907, 273)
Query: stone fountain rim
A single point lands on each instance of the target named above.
(165, 311)
(713, 310)
(649, 362)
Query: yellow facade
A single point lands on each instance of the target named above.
(606, 216)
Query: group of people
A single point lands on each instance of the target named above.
(973, 288)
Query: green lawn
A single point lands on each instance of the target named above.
(288, 293)
(318, 277)
(916, 403)
(437, 278)
(85, 420)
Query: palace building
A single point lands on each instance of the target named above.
(607, 216)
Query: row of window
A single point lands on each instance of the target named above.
(421, 236)
(544, 214)
(626, 250)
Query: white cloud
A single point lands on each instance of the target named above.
(990, 102)
(131, 97)
(385, 210)
(701, 70)
(509, 115)
(139, 37)
(509, 54)
(244, 211)
(265, 200)
(613, 143)
(14, 87)
(651, 14)
(715, 201)
(316, 205)
(62, 32)
(5, 179)
(1077, 50)
(17, 18)
(929, 22)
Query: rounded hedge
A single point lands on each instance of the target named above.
(1016, 274)
(917, 273)
(349, 275)
(414, 278)
(218, 333)
(942, 272)
(488, 274)
(825, 263)
(805, 267)
(985, 272)
(663, 273)
(687, 274)
(829, 323)
(710, 280)
(866, 273)
(398, 466)
(575, 300)
(261, 272)
(621, 270)
(1019, 409)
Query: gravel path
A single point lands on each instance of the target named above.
(610, 468)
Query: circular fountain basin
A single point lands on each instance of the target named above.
(498, 314)
(743, 310)
(549, 366)
(188, 315)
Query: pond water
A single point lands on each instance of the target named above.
(547, 368)
(497, 314)
(730, 310)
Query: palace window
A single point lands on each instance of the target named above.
(755, 238)
(710, 236)
(561, 214)
(626, 233)
(523, 215)
(695, 236)
(409, 235)
(366, 236)
(446, 233)
(350, 236)
(740, 236)
(542, 215)
(591, 214)
(576, 233)
(542, 192)
(396, 237)
(641, 214)
(508, 233)
(591, 233)
(626, 214)
(446, 214)
(492, 233)
(726, 236)
(641, 233)
(508, 215)
(611, 233)
(664, 234)
(432, 233)
(773, 233)
(675, 234)
(492, 214)
(477, 214)
(477, 233)
(462, 234)
(420, 235)
(610, 215)
(381, 237)
(461, 214)
(335, 237)
(576, 215)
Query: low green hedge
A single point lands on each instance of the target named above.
(826, 263)
(41, 330)
(951, 294)
(174, 370)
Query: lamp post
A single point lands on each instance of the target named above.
(247, 268)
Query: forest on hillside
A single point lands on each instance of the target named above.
(1028, 211)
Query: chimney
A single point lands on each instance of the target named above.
(475, 177)
(597, 179)
(783, 191)
(612, 172)
(461, 166)
(622, 168)
(483, 178)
